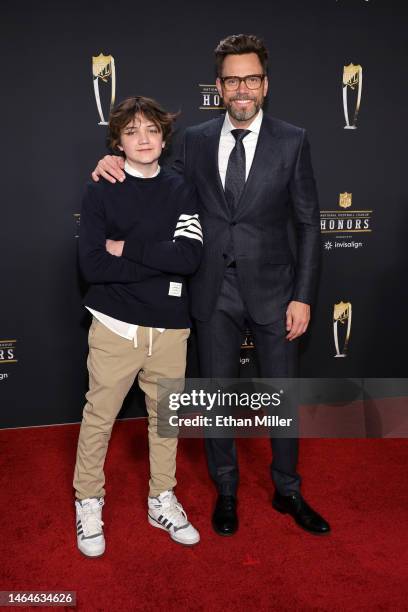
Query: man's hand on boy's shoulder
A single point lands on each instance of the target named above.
(110, 168)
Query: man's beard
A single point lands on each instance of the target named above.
(244, 115)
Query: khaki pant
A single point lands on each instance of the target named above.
(113, 364)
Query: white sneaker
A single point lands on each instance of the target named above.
(165, 512)
(90, 538)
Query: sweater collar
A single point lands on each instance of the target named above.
(138, 174)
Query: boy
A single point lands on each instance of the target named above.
(139, 303)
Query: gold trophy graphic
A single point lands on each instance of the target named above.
(352, 78)
(248, 341)
(103, 68)
(341, 314)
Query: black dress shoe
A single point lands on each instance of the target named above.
(224, 518)
(303, 514)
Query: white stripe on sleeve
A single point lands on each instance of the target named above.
(189, 226)
(187, 234)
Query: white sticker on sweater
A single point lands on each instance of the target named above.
(175, 289)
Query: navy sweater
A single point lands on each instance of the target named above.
(158, 220)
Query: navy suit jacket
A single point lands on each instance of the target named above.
(280, 186)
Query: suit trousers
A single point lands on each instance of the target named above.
(219, 344)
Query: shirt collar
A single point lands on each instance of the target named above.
(138, 174)
(255, 126)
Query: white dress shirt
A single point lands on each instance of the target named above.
(227, 143)
(126, 330)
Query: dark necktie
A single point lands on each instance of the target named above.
(235, 176)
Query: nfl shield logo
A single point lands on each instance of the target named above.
(345, 200)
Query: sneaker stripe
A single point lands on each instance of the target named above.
(182, 526)
(160, 518)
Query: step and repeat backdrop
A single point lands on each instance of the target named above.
(337, 68)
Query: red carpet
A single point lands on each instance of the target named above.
(360, 486)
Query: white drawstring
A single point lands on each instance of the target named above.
(150, 341)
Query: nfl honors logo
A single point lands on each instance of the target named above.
(344, 222)
(352, 81)
(103, 69)
(8, 351)
(210, 98)
(345, 200)
(247, 341)
(341, 318)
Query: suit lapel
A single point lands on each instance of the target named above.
(211, 141)
(267, 155)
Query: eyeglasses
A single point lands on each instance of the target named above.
(252, 81)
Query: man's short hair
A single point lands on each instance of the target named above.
(124, 112)
(238, 44)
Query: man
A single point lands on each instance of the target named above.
(252, 172)
(139, 303)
